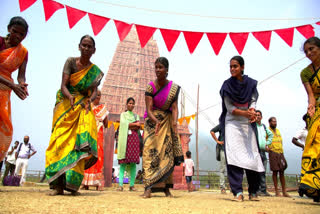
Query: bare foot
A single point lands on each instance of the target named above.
(120, 189)
(75, 193)
(285, 194)
(147, 194)
(132, 189)
(55, 192)
(168, 193)
(277, 194)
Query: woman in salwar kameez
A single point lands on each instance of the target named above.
(239, 95)
(13, 56)
(310, 164)
(162, 149)
(73, 142)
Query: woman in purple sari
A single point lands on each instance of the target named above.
(162, 149)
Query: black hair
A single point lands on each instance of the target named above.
(240, 60)
(16, 141)
(271, 119)
(164, 61)
(188, 154)
(313, 41)
(304, 118)
(259, 112)
(89, 37)
(18, 20)
(129, 99)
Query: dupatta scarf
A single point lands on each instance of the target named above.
(73, 142)
(10, 60)
(162, 152)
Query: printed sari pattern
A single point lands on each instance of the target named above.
(94, 175)
(162, 152)
(10, 60)
(310, 164)
(73, 142)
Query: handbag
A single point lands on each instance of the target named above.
(11, 180)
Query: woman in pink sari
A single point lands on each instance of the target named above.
(13, 56)
(162, 148)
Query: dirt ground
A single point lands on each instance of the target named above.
(35, 199)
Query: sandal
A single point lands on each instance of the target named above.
(238, 198)
(132, 189)
(253, 197)
(120, 189)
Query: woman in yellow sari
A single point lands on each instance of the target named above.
(310, 164)
(13, 56)
(162, 148)
(73, 142)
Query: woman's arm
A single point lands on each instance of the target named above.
(311, 99)
(22, 76)
(64, 89)
(239, 112)
(149, 104)
(174, 107)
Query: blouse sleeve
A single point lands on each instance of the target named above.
(305, 75)
(254, 100)
(230, 107)
(67, 68)
(149, 91)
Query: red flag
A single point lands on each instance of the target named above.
(192, 39)
(144, 34)
(169, 37)
(74, 15)
(216, 40)
(286, 34)
(239, 40)
(97, 23)
(306, 31)
(25, 4)
(263, 37)
(318, 23)
(122, 28)
(50, 7)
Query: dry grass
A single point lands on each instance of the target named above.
(35, 199)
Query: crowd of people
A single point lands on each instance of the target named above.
(74, 155)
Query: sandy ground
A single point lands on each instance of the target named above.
(35, 199)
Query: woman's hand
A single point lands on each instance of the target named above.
(157, 128)
(220, 142)
(252, 115)
(175, 127)
(71, 99)
(87, 106)
(311, 110)
(20, 91)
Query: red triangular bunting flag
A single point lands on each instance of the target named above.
(306, 31)
(263, 37)
(144, 34)
(25, 4)
(286, 34)
(239, 40)
(122, 28)
(216, 40)
(74, 15)
(318, 23)
(97, 23)
(169, 37)
(192, 39)
(50, 7)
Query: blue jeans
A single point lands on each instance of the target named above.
(262, 175)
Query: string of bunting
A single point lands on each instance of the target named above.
(170, 36)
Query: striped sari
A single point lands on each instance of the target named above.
(310, 164)
(10, 60)
(73, 142)
(162, 152)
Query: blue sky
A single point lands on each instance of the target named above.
(50, 43)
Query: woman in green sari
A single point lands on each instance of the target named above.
(310, 164)
(162, 148)
(73, 142)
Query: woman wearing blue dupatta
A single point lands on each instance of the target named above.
(239, 95)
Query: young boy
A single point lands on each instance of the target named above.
(188, 170)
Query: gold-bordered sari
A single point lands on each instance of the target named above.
(73, 142)
(10, 60)
(162, 152)
(310, 164)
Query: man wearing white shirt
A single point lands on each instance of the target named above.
(23, 154)
(300, 138)
(11, 160)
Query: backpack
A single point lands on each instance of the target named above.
(19, 148)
